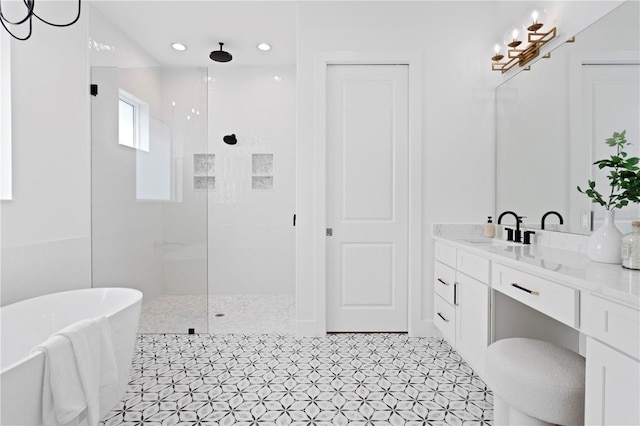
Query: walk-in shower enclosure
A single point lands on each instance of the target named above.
(150, 178)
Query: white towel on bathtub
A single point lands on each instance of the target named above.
(63, 398)
(97, 376)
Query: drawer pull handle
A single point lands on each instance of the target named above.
(443, 281)
(455, 293)
(535, 293)
(443, 318)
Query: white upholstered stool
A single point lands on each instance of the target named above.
(535, 383)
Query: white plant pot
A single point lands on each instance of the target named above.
(604, 243)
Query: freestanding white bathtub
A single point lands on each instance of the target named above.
(27, 323)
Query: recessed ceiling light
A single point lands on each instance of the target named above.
(264, 46)
(179, 46)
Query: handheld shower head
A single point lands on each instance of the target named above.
(220, 55)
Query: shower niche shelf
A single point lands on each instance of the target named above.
(204, 170)
(261, 171)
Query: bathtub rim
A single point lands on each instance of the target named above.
(136, 297)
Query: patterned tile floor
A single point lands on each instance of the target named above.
(342, 379)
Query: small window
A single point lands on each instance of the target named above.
(133, 121)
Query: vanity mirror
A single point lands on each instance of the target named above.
(552, 122)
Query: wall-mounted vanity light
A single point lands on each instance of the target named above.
(536, 37)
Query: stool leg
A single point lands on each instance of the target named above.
(500, 412)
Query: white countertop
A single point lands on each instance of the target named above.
(570, 267)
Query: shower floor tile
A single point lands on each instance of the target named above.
(246, 314)
(252, 314)
(343, 379)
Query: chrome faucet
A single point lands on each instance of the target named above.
(544, 216)
(517, 236)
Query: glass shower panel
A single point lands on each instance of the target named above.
(149, 219)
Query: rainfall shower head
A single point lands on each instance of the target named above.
(220, 55)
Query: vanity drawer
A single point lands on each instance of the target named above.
(475, 266)
(550, 298)
(445, 282)
(611, 323)
(444, 316)
(446, 255)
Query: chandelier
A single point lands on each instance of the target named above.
(25, 19)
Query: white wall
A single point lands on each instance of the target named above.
(251, 237)
(46, 226)
(109, 46)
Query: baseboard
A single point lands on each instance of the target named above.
(309, 328)
(425, 328)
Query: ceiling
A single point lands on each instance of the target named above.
(200, 25)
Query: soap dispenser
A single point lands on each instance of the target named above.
(489, 228)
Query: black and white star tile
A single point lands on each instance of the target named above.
(342, 379)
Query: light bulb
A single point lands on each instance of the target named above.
(497, 55)
(533, 22)
(514, 42)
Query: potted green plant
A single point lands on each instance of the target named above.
(624, 188)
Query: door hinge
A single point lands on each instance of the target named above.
(94, 90)
(329, 232)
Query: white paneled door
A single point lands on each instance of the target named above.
(367, 198)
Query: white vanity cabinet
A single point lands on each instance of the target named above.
(485, 291)
(612, 362)
(461, 302)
